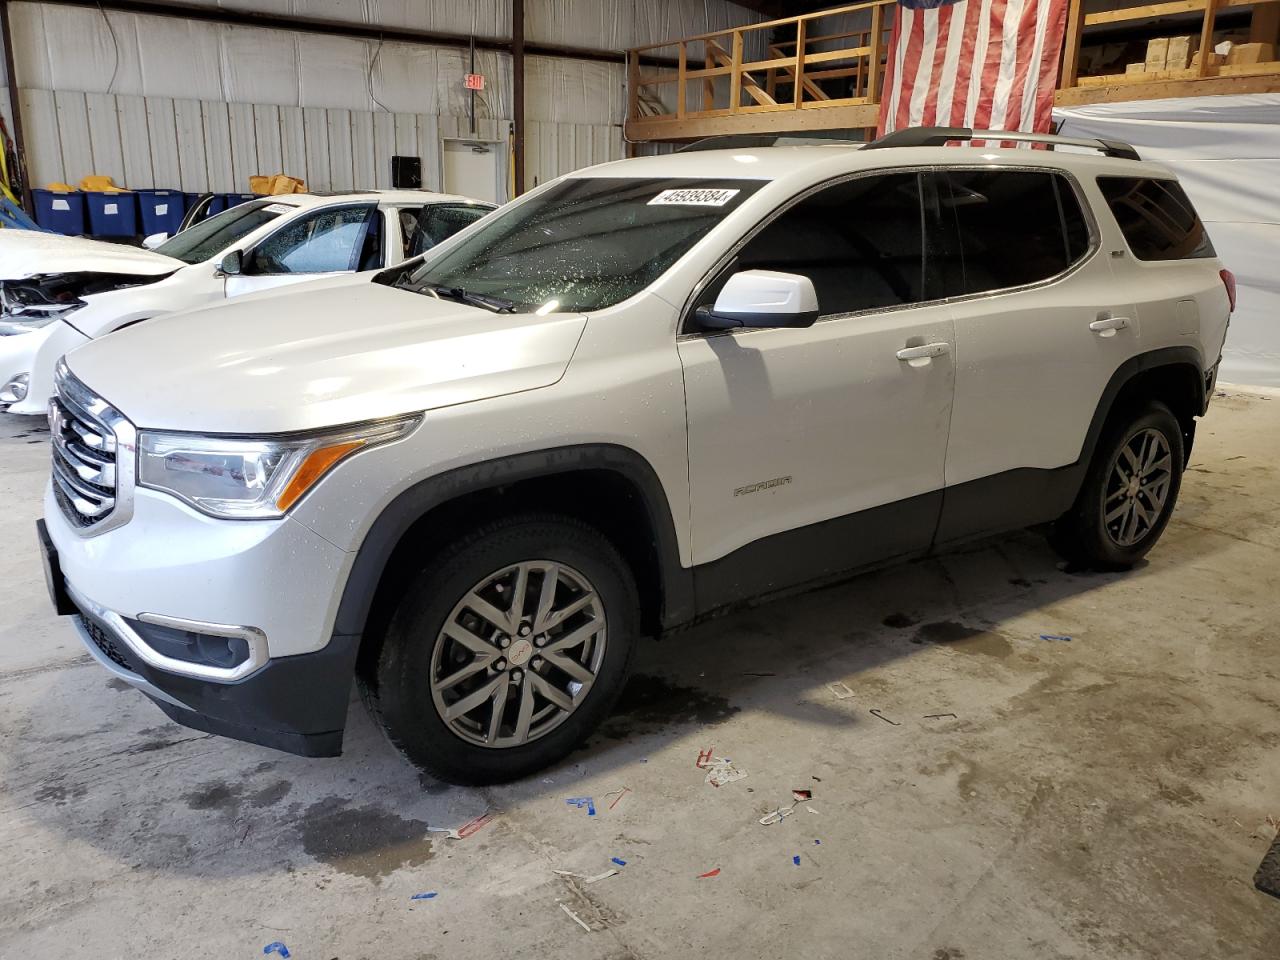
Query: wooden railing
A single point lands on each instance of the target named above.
(825, 70)
(764, 68)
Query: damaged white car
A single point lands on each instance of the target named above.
(58, 292)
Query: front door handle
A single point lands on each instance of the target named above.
(923, 354)
(1107, 326)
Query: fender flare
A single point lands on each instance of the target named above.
(1151, 360)
(413, 503)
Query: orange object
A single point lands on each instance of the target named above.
(312, 469)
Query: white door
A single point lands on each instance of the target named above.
(321, 243)
(1040, 329)
(792, 428)
(474, 168)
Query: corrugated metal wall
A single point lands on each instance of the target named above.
(165, 102)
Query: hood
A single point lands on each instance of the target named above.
(25, 253)
(321, 358)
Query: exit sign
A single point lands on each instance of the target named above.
(474, 81)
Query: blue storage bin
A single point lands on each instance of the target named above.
(60, 212)
(161, 211)
(235, 199)
(217, 204)
(112, 214)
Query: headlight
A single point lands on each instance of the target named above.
(24, 308)
(249, 478)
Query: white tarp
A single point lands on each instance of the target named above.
(1226, 152)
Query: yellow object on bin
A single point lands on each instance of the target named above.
(100, 183)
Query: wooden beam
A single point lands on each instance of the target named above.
(877, 34)
(797, 75)
(735, 79)
(633, 84)
(1144, 12)
(770, 24)
(710, 71)
(1206, 36)
(820, 118)
(708, 85)
(1163, 90)
(1071, 43)
(684, 57)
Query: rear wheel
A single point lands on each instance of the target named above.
(508, 650)
(1128, 493)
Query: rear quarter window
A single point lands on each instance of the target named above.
(1156, 218)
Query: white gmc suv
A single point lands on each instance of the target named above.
(642, 393)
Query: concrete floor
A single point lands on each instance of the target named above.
(1103, 797)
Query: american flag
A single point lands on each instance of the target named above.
(985, 64)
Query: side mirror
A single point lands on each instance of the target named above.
(761, 298)
(154, 240)
(231, 264)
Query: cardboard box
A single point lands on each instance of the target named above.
(1181, 49)
(1157, 53)
(1215, 59)
(1251, 53)
(1131, 68)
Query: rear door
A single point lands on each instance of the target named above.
(1041, 326)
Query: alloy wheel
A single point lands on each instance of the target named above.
(518, 654)
(1137, 487)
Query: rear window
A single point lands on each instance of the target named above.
(1156, 218)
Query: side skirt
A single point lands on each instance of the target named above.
(845, 547)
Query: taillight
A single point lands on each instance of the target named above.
(1229, 281)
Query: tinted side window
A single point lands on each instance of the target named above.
(1014, 226)
(861, 243)
(1156, 218)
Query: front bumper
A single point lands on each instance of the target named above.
(277, 577)
(35, 354)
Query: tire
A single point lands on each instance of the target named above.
(1102, 531)
(435, 636)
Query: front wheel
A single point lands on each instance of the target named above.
(1128, 493)
(508, 650)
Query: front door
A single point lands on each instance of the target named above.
(813, 451)
(323, 243)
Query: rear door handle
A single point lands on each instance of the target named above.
(923, 354)
(1107, 326)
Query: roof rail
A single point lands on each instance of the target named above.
(732, 141)
(939, 136)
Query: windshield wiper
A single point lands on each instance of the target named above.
(496, 304)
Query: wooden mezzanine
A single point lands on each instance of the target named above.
(825, 70)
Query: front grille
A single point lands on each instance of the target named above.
(104, 640)
(84, 454)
